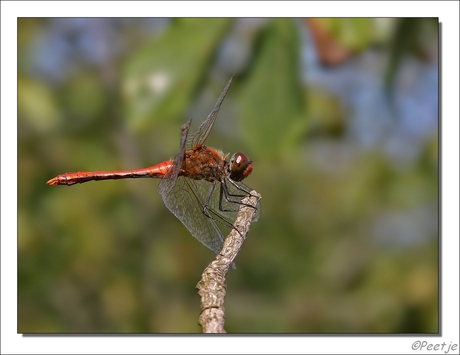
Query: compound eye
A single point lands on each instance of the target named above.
(240, 166)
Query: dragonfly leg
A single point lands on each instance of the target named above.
(208, 212)
(208, 199)
(229, 197)
(232, 198)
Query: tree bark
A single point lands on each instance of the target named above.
(212, 287)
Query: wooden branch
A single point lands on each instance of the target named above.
(212, 287)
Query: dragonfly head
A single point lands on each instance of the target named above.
(240, 166)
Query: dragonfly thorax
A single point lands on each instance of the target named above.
(204, 163)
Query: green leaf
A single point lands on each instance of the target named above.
(354, 33)
(160, 78)
(271, 98)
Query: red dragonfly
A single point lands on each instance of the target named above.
(201, 186)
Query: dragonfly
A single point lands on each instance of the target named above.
(201, 186)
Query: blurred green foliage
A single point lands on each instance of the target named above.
(108, 257)
(161, 76)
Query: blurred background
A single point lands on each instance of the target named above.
(340, 117)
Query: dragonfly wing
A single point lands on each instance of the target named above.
(199, 135)
(169, 180)
(186, 200)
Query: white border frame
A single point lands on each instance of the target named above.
(13, 343)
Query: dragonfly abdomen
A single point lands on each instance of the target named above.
(156, 171)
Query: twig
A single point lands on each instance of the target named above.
(212, 286)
